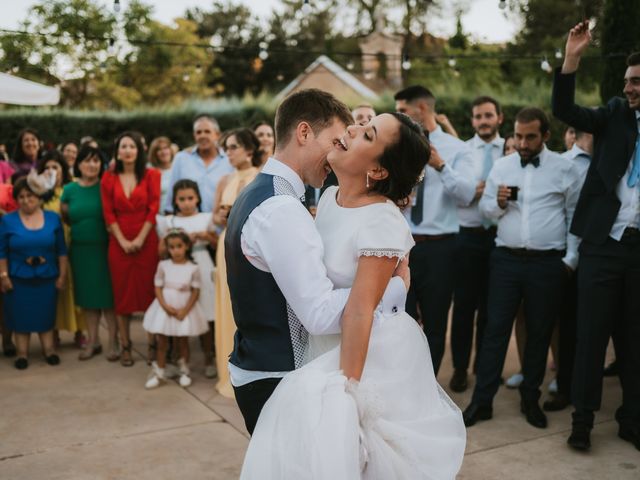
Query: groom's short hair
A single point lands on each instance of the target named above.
(316, 107)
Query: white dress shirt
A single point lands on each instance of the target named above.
(540, 218)
(629, 213)
(577, 155)
(280, 237)
(447, 189)
(470, 216)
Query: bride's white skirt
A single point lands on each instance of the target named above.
(397, 423)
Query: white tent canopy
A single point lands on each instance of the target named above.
(18, 91)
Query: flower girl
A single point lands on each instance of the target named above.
(175, 312)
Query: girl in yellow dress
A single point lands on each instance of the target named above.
(243, 149)
(68, 317)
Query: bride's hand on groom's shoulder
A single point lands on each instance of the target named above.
(403, 271)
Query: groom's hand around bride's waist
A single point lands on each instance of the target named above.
(402, 271)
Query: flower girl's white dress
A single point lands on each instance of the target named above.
(397, 423)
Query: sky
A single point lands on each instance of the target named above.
(483, 20)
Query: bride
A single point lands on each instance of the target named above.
(367, 404)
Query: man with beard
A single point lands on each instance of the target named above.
(532, 195)
(608, 221)
(433, 218)
(475, 242)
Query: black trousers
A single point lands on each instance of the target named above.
(567, 323)
(608, 301)
(432, 275)
(539, 281)
(252, 397)
(473, 249)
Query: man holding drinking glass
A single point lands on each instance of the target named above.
(532, 195)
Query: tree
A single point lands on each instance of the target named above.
(236, 33)
(620, 36)
(67, 38)
(157, 65)
(459, 40)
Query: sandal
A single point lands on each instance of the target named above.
(90, 352)
(126, 359)
(113, 356)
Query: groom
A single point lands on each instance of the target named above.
(279, 287)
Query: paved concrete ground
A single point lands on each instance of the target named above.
(94, 420)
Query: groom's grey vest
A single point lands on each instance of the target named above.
(269, 337)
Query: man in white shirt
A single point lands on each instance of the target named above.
(278, 283)
(532, 195)
(474, 244)
(433, 218)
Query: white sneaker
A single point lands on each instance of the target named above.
(156, 378)
(210, 371)
(553, 386)
(184, 380)
(514, 381)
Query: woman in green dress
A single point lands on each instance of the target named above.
(81, 208)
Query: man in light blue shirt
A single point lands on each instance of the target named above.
(433, 217)
(205, 163)
(474, 244)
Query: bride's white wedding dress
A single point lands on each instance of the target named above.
(397, 423)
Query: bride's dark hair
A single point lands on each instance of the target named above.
(405, 159)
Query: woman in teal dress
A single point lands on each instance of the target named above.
(81, 208)
(33, 267)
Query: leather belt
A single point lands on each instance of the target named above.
(524, 252)
(429, 238)
(630, 234)
(479, 230)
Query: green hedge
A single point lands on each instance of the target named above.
(58, 126)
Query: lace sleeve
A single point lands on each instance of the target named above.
(385, 233)
(382, 252)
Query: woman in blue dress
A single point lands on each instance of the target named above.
(33, 267)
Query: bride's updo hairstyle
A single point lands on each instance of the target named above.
(405, 160)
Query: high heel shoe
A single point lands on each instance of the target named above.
(90, 352)
(126, 359)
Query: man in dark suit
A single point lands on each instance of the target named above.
(607, 218)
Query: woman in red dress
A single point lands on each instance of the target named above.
(130, 200)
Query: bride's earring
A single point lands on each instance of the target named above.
(367, 179)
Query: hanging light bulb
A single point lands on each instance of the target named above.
(350, 65)
(306, 7)
(452, 62)
(545, 65)
(198, 69)
(406, 62)
(263, 55)
(111, 50)
(502, 4)
(186, 77)
(558, 54)
(116, 6)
